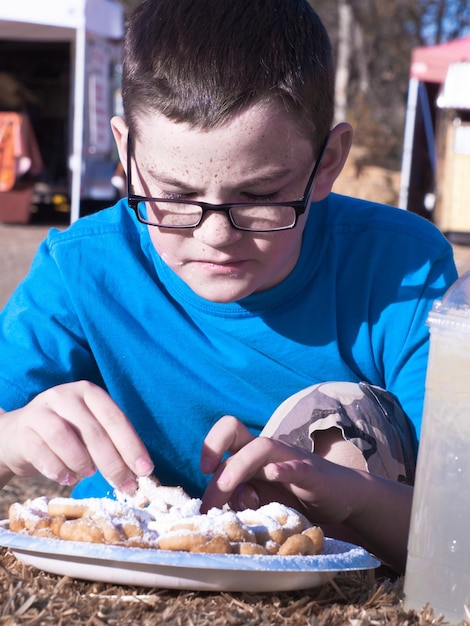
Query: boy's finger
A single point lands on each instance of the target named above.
(227, 435)
(120, 438)
(102, 429)
(240, 468)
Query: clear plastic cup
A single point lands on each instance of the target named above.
(438, 565)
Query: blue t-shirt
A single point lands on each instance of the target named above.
(100, 304)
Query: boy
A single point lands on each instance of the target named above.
(232, 282)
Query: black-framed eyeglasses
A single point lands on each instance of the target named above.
(249, 216)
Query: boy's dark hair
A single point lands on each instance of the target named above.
(201, 61)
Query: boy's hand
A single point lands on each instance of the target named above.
(261, 469)
(374, 509)
(70, 431)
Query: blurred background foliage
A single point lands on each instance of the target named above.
(373, 41)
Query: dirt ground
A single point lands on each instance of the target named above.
(18, 244)
(29, 597)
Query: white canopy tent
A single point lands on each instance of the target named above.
(72, 21)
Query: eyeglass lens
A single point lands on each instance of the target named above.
(178, 214)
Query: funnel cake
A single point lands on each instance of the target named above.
(167, 518)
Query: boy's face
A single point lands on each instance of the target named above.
(260, 155)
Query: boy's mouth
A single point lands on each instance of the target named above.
(227, 267)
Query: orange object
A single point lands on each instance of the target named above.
(7, 152)
(19, 152)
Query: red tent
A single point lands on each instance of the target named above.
(430, 63)
(436, 148)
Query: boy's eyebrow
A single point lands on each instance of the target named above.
(269, 177)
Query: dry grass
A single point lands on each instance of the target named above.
(30, 597)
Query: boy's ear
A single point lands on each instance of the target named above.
(334, 158)
(120, 131)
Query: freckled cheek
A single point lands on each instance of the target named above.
(169, 247)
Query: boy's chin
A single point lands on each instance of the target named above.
(223, 294)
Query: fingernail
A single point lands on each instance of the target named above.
(224, 479)
(129, 487)
(88, 472)
(68, 479)
(248, 498)
(144, 466)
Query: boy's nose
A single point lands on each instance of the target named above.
(216, 230)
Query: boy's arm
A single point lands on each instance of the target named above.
(383, 518)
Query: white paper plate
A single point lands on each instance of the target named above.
(182, 570)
